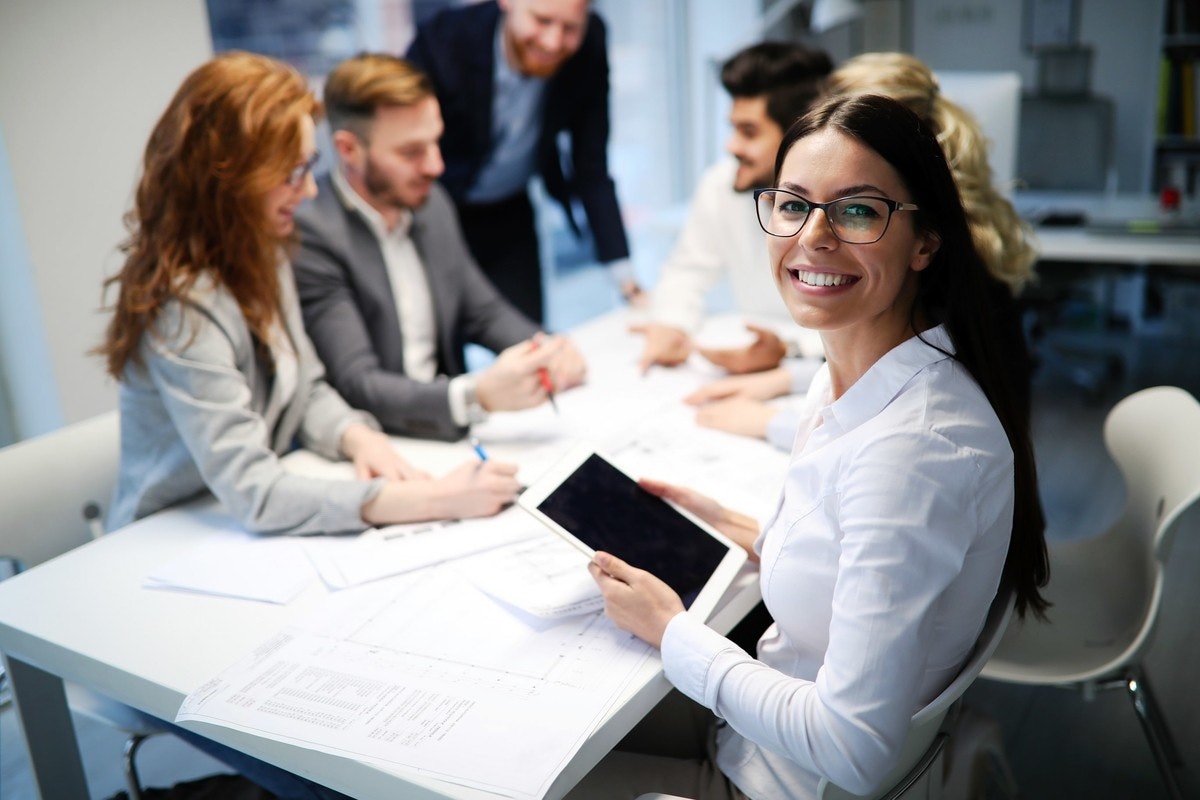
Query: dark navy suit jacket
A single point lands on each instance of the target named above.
(457, 50)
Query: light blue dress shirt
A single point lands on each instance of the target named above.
(516, 126)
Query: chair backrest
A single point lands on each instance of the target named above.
(921, 749)
(1154, 437)
(56, 487)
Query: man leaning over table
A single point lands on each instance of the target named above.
(389, 291)
(524, 88)
(771, 83)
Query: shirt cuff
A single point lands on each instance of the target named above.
(695, 658)
(673, 318)
(458, 387)
(802, 371)
(781, 430)
(621, 271)
(342, 504)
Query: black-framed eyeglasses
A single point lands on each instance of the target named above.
(302, 171)
(861, 219)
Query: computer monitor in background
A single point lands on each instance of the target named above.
(994, 99)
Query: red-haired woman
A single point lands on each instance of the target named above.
(217, 377)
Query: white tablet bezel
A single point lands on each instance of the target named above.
(718, 582)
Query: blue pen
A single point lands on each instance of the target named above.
(479, 451)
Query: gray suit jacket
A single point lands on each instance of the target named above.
(350, 312)
(203, 411)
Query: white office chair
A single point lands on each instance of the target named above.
(1106, 590)
(920, 772)
(54, 492)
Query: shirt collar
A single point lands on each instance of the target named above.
(499, 48)
(352, 200)
(889, 375)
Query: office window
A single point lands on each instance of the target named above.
(313, 35)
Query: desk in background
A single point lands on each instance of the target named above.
(85, 616)
(1112, 229)
(1138, 272)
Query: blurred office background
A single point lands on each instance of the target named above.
(81, 84)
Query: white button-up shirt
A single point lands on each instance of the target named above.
(878, 568)
(410, 287)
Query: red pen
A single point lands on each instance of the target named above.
(544, 375)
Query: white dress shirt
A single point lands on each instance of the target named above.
(721, 237)
(781, 428)
(410, 287)
(878, 568)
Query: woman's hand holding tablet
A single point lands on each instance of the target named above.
(634, 600)
(598, 507)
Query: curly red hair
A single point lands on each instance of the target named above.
(231, 133)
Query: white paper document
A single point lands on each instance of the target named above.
(735, 470)
(378, 553)
(417, 671)
(230, 562)
(544, 576)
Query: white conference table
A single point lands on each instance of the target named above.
(85, 617)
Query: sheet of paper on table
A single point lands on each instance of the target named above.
(544, 576)
(344, 561)
(735, 470)
(229, 562)
(376, 676)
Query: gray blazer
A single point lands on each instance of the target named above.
(350, 312)
(203, 412)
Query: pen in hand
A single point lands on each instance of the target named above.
(483, 456)
(544, 376)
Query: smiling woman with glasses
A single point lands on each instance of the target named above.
(910, 500)
(855, 220)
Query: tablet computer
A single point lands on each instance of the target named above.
(597, 506)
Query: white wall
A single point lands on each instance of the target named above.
(81, 85)
(26, 378)
(1124, 35)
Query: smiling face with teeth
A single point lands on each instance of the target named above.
(859, 296)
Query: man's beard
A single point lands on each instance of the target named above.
(381, 189)
(539, 69)
(745, 181)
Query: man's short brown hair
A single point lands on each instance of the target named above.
(359, 85)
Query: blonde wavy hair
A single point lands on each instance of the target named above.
(1003, 240)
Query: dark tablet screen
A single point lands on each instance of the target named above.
(606, 510)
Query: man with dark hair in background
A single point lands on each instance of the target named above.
(771, 83)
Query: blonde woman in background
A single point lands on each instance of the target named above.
(738, 404)
(1000, 236)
